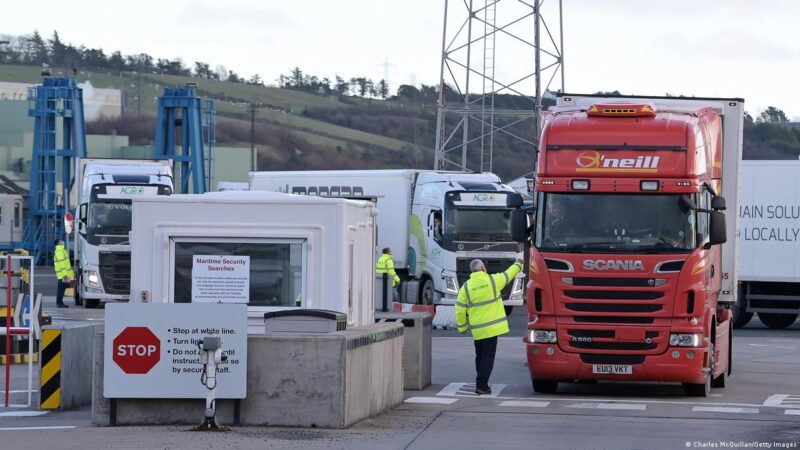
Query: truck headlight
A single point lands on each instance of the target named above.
(94, 279)
(451, 285)
(542, 336)
(685, 340)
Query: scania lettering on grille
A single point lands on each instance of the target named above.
(612, 264)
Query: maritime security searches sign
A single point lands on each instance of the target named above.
(151, 349)
(220, 279)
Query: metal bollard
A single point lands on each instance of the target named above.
(385, 289)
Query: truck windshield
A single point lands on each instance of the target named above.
(489, 225)
(615, 223)
(110, 217)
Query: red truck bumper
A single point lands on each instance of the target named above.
(548, 362)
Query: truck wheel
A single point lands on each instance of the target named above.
(544, 386)
(777, 320)
(508, 309)
(426, 296)
(91, 303)
(702, 389)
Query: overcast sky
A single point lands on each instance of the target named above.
(720, 48)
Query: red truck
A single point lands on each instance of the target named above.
(632, 265)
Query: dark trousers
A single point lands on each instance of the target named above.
(60, 291)
(485, 350)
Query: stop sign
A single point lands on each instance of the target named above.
(136, 350)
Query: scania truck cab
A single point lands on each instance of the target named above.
(632, 270)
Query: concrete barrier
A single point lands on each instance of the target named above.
(329, 380)
(66, 366)
(445, 317)
(416, 347)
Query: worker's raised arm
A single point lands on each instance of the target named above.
(503, 278)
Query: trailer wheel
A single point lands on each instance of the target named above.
(740, 316)
(544, 386)
(777, 320)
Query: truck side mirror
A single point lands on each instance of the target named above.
(513, 200)
(519, 226)
(718, 203)
(717, 233)
(82, 213)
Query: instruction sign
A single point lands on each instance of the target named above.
(220, 279)
(151, 350)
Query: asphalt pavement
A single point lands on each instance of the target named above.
(760, 408)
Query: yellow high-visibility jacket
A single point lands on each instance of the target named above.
(61, 263)
(479, 307)
(385, 264)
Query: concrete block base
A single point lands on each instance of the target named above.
(330, 380)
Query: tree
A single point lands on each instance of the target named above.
(296, 78)
(202, 70)
(773, 114)
(255, 79)
(59, 50)
(38, 49)
(342, 86)
(116, 61)
(382, 89)
(233, 77)
(94, 57)
(221, 72)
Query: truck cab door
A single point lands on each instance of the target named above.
(434, 238)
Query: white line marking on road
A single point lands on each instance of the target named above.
(758, 345)
(23, 413)
(629, 400)
(63, 427)
(725, 410)
(792, 412)
(468, 390)
(784, 348)
(782, 401)
(631, 406)
(525, 403)
(441, 401)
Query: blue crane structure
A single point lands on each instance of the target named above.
(57, 108)
(184, 131)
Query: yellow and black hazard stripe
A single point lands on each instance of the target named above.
(19, 358)
(50, 377)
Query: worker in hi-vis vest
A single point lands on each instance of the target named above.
(385, 264)
(479, 308)
(64, 272)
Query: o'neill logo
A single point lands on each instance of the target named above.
(593, 161)
(612, 264)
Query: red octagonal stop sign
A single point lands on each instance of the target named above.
(136, 350)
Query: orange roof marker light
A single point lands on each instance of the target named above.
(621, 110)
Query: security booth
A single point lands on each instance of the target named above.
(270, 250)
(302, 270)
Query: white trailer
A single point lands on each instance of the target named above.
(431, 261)
(769, 238)
(105, 191)
(283, 252)
(10, 219)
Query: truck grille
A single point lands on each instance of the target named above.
(492, 266)
(115, 272)
(606, 339)
(613, 300)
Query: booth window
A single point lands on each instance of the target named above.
(275, 268)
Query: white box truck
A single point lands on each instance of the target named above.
(431, 261)
(272, 251)
(104, 196)
(769, 238)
